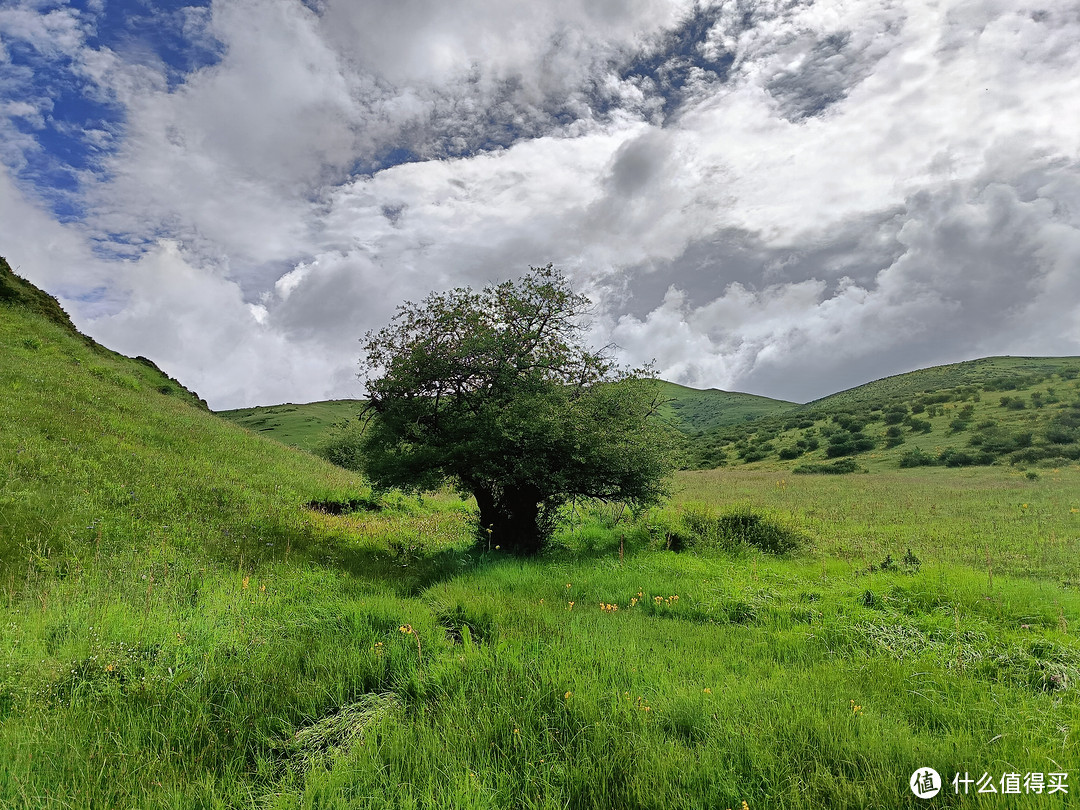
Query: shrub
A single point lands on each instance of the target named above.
(917, 458)
(841, 467)
(748, 528)
(951, 457)
(845, 443)
(701, 528)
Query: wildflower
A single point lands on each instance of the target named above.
(406, 629)
(568, 695)
(569, 605)
(707, 690)
(246, 582)
(568, 585)
(658, 599)
(262, 588)
(855, 707)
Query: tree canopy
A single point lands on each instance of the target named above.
(497, 392)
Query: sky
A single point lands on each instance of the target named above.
(781, 197)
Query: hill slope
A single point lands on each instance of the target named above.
(101, 448)
(297, 425)
(701, 410)
(1014, 410)
(993, 373)
(19, 295)
(303, 425)
(188, 623)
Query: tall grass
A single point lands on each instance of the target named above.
(181, 630)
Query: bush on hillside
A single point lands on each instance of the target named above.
(342, 444)
(917, 458)
(845, 443)
(952, 457)
(841, 467)
(701, 528)
(894, 436)
(895, 417)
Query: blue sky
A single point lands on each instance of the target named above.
(782, 198)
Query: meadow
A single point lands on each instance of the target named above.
(196, 617)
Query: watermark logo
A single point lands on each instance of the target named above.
(925, 783)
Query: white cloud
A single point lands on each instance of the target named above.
(862, 189)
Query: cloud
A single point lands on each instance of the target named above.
(980, 268)
(784, 197)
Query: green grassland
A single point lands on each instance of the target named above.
(195, 617)
(305, 425)
(297, 425)
(695, 410)
(1022, 412)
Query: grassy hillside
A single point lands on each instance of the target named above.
(697, 411)
(997, 373)
(304, 425)
(296, 425)
(198, 618)
(1018, 411)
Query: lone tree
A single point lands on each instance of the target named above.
(496, 392)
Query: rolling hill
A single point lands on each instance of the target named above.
(194, 616)
(1014, 410)
(695, 411)
(297, 425)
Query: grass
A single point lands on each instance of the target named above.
(1023, 412)
(300, 426)
(304, 425)
(696, 410)
(180, 629)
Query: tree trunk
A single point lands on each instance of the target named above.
(509, 518)
(485, 499)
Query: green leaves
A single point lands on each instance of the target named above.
(496, 391)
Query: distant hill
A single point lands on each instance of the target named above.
(697, 410)
(297, 425)
(998, 410)
(302, 425)
(997, 372)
